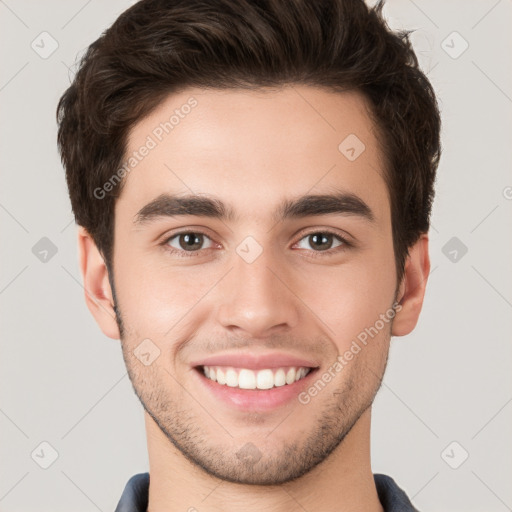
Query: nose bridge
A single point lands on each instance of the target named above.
(254, 297)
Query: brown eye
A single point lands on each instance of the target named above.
(321, 241)
(189, 241)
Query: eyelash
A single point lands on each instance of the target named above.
(329, 252)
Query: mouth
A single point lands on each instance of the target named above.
(256, 390)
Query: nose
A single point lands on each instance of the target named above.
(257, 299)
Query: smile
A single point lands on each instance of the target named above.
(245, 378)
(256, 390)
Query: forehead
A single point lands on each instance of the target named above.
(255, 148)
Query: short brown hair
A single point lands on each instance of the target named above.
(158, 47)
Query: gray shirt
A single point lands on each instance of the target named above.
(135, 495)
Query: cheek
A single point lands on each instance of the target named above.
(351, 297)
(154, 296)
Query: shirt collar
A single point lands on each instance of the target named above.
(136, 493)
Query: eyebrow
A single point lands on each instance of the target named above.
(166, 205)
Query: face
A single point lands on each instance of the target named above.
(253, 269)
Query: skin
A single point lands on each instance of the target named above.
(252, 149)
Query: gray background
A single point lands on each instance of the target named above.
(64, 383)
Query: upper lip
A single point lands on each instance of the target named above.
(255, 361)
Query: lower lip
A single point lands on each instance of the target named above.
(256, 399)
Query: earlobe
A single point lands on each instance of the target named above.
(97, 290)
(412, 288)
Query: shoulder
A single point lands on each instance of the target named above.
(392, 497)
(135, 494)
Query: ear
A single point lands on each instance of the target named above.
(98, 293)
(412, 288)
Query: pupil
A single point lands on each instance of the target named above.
(191, 240)
(320, 240)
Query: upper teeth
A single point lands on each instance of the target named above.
(245, 378)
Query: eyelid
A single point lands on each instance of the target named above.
(343, 236)
(197, 231)
(166, 237)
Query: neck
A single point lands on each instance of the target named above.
(342, 483)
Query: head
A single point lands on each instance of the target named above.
(189, 135)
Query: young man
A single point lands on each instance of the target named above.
(252, 182)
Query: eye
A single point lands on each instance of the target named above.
(190, 243)
(187, 241)
(322, 241)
